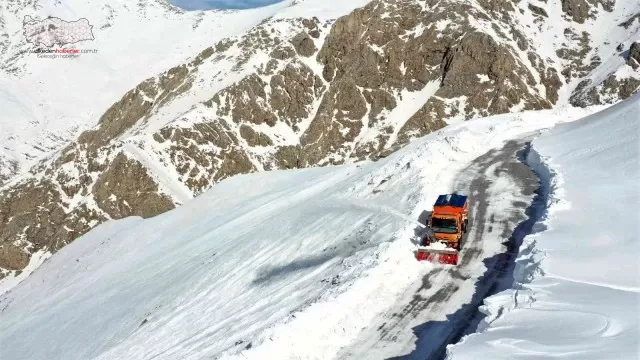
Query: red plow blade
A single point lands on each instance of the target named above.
(450, 258)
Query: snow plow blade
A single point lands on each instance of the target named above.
(449, 257)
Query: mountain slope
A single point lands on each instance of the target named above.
(299, 90)
(283, 264)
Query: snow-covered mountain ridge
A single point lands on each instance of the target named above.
(302, 88)
(48, 102)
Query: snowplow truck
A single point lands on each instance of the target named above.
(447, 224)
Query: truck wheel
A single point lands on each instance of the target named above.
(424, 241)
(465, 227)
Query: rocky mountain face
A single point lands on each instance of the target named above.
(310, 92)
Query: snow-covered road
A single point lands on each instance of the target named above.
(503, 207)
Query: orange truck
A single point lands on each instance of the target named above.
(447, 224)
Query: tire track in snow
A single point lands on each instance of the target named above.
(444, 306)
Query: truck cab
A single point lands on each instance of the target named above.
(448, 221)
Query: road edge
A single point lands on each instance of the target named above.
(529, 258)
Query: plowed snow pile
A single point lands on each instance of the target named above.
(577, 291)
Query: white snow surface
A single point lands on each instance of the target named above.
(577, 291)
(285, 264)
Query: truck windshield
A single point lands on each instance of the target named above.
(448, 226)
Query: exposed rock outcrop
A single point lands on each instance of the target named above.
(13, 257)
(627, 23)
(304, 44)
(293, 91)
(478, 54)
(615, 86)
(581, 10)
(33, 216)
(537, 10)
(137, 104)
(609, 91)
(126, 189)
(633, 59)
(254, 138)
(578, 10)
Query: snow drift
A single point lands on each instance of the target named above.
(577, 290)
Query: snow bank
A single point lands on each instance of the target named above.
(576, 290)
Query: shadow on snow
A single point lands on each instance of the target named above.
(272, 273)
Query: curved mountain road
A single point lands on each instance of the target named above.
(504, 206)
